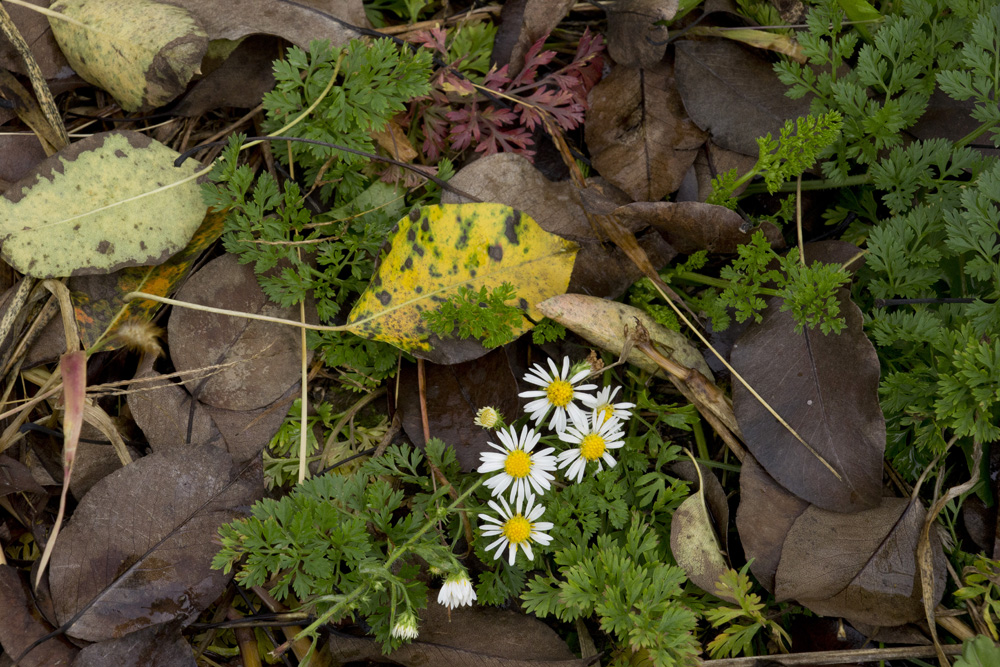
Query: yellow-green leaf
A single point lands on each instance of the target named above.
(434, 251)
(142, 52)
(109, 201)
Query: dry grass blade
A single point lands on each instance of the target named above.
(925, 554)
(626, 241)
(45, 99)
(74, 372)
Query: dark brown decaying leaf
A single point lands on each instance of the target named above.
(239, 82)
(15, 477)
(599, 270)
(268, 355)
(711, 161)
(34, 27)
(860, 566)
(639, 137)
(162, 409)
(22, 625)
(458, 639)
(835, 251)
(297, 22)
(454, 394)
(826, 388)
(156, 646)
(732, 92)
(765, 515)
(139, 546)
(522, 23)
(634, 39)
(21, 154)
(691, 226)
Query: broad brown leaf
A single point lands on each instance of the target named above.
(639, 136)
(156, 646)
(477, 635)
(522, 23)
(765, 515)
(268, 355)
(732, 92)
(454, 395)
(692, 226)
(138, 549)
(21, 624)
(826, 388)
(634, 38)
(860, 566)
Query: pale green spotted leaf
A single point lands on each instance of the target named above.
(109, 201)
(142, 52)
(434, 251)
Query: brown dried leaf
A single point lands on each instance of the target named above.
(765, 515)
(156, 646)
(34, 27)
(22, 625)
(600, 270)
(522, 23)
(732, 92)
(454, 395)
(139, 546)
(634, 39)
(827, 390)
(298, 22)
(860, 566)
(456, 639)
(639, 137)
(709, 163)
(715, 495)
(692, 226)
(268, 354)
(162, 409)
(239, 82)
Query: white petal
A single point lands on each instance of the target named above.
(541, 525)
(565, 370)
(527, 550)
(538, 405)
(537, 511)
(609, 459)
(513, 553)
(541, 538)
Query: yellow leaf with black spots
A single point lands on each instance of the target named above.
(434, 251)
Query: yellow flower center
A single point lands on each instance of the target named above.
(607, 410)
(592, 447)
(517, 529)
(559, 393)
(518, 464)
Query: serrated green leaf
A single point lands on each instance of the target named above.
(435, 251)
(103, 203)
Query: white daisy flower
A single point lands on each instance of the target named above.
(488, 417)
(520, 468)
(456, 591)
(405, 627)
(516, 528)
(593, 437)
(602, 403)
(557, 391)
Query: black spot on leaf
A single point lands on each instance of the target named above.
(495, 252)
(510, 227)
(415, 215)
(384, 297)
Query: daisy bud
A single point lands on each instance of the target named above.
(489, 417)
(405, 627)
(457, 591)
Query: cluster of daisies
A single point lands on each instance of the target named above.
(523, 474)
